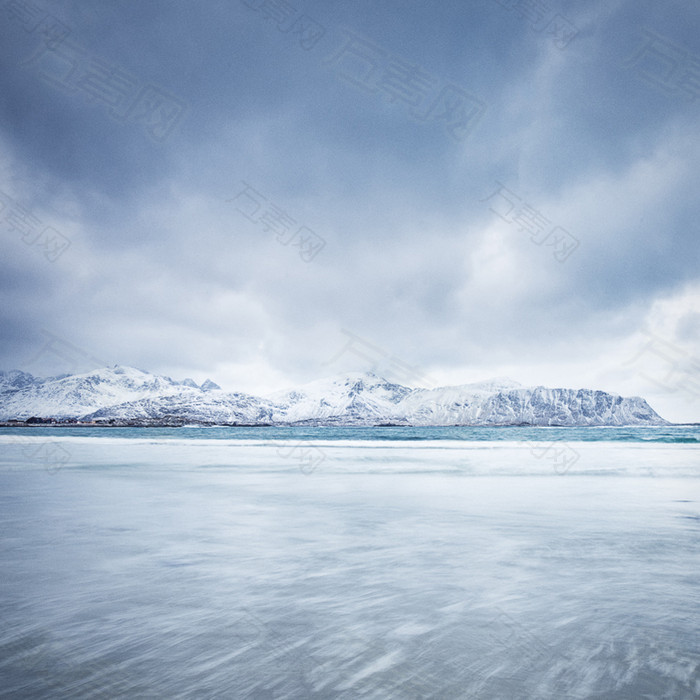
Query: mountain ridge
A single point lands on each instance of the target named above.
(125, 395)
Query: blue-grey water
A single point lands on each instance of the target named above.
(350, 563)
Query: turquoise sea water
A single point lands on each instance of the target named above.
(671, 434)
(350, 563)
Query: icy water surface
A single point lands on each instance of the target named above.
(176, 564)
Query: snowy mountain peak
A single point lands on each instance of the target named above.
(361, 398)
(208, 385)
(494, 384)
(350, 379)
(15, 379)
(369, 377)
(71, 396)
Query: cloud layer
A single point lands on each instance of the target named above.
(268, 192)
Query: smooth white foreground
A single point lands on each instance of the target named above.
(215, 568)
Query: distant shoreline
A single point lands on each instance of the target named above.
(180, 423)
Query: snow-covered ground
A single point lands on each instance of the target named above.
(220, 568)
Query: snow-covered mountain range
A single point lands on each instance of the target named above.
(127, 395)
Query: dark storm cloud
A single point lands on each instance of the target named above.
(136, 131)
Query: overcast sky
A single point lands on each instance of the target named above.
(267, 192)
